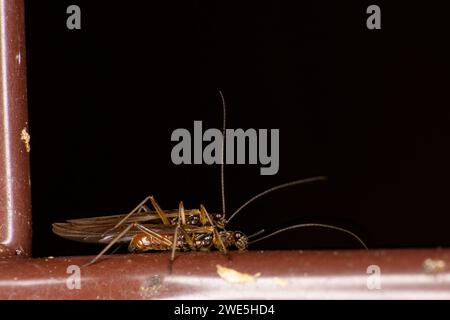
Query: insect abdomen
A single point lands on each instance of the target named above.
(143, 242)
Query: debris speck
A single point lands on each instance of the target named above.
(25, 137)
(233, 276)
(433, 265)
(19, 251)
(152, 285)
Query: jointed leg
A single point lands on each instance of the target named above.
(182, 214)
(122, 234)
(216, 236)
(180, 227)
(137, 209)
(113, 241)
(174, 243)
(175, 234)
(142, 207)
(152, 233)
(189, 241)
(203, 214)
(160, 212)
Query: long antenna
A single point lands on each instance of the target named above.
(314, 225)
(222, 165)
(281, 186)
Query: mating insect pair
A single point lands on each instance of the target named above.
(180, 229)
(145, 230)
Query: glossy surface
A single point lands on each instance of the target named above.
(405, 274)
(15, 207)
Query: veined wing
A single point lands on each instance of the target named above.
(149, 216)
(99, 234)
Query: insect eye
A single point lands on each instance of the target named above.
(237, 235)
(218, 216)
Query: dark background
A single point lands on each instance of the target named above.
(366, 108)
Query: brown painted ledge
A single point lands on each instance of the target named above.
(405, 274)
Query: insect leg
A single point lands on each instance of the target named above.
(182, 214)
(138, 208)
(160, 212)
(203, 214)
(216, 236)
(175, 237)
(152, 233)
(113, 241)
(181, 226)
(141, 207)
(189, 241)
(174, 243)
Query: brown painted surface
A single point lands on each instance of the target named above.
(405, 274)
(15, 208)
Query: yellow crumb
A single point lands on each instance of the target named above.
(433, 265)
(233, 276)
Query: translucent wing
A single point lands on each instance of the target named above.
(101, 229)
(149, 216)
(90, 233)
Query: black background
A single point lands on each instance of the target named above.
(366, 108)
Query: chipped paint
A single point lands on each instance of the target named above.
(25, 137)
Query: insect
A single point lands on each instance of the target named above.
(179, 229)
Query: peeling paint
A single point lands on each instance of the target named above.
(25, 137)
